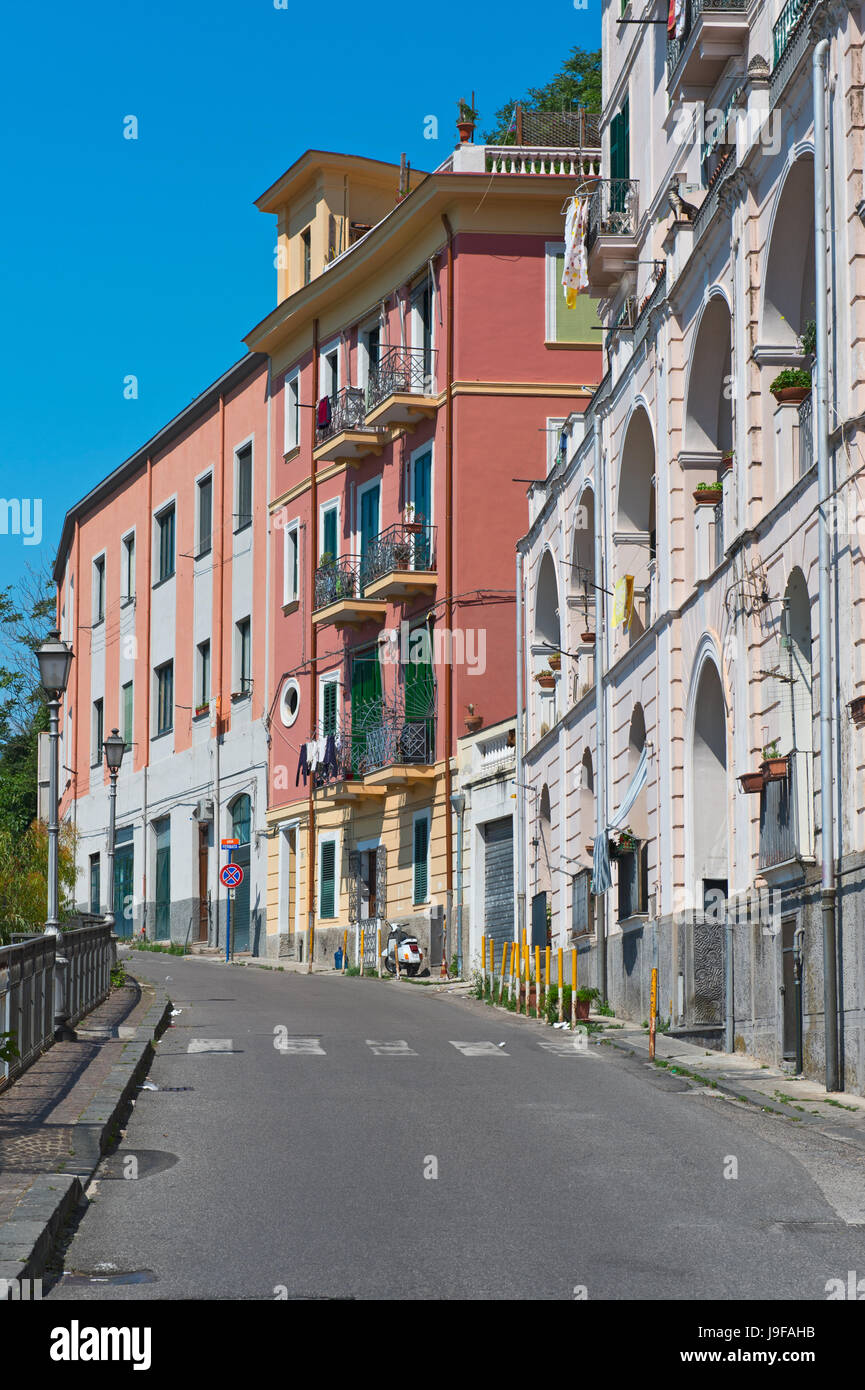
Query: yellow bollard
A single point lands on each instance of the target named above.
(344, 950)
(574, 987)
(360, 962)
(547, 975)
(526, 973)
(483, 964)
(560, 965)
(512, 969)
(538, 981)
(378, 949)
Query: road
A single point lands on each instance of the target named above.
(305, 1171)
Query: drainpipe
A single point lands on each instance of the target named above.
(600, 712)
(449, 588)
(313, 675)
(520, 747)
(827, 835)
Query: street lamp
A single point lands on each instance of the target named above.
(55, 660)
(114, 748)
(458, 802)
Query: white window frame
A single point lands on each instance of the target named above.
(428, 448)
(290, 586)
(331, 505)
(238, 657)
(285, 828)
(290, 684)
(378, 482)
(363, 359)
(330, 837)
(202, 478)
(197, 691)
(100, 566)
(553, 296)
(96, 743)
(291, 416)
(415, 327)
(156, 528)
(334, 346)
(328, 678)
(426, 815)
(248, 443)
(127, 580)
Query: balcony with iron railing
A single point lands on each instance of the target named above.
(786, 829)
(389, 744)
(400, 562)
(342, 431)
(806, 437)
(401, 388)
(611, 233)
(791, 38)
(338, 597)
(714, 31)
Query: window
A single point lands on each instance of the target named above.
(127, 706)
(422, 326)
(292, 412)
(578, 325)
(162, 844)
(202, 676)
(205, 514)
(328, 691)
(620, 145)
(99, 590)
(95, 885)
(289, 702)
(329, 384)
(98, 732)
(327, 879)
(164, 698)
(128, 560)
(244, 657)
(371, 343)
(329, 529)
(306, 254)
(420, 858)
(243, 474)
(165, 538)
(241, 819)
(291, 564)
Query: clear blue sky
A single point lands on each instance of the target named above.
(147, 257)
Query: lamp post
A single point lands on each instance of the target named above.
(458, 802)
(55, 661)
(114, 749)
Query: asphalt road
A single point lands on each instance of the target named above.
(301, 1172)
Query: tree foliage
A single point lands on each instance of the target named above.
(577, 83)
(26, 613)
(24, 878)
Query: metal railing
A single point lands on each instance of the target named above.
(403, 546)
(694, 10)
(392, 742)
(337, 579)
(806, 436)
(779, 831)
(790, 39)
(612, 209)
(718, 512)
(27, 988)
(347, 412)
(401, 370)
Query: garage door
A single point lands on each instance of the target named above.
(499, 882)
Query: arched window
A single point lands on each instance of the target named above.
(789, 294)
(635, 535)
(241, 818)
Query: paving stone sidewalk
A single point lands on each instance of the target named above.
(56, 1117)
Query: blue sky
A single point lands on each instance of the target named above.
(147, 257)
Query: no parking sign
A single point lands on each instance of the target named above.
(231, 875)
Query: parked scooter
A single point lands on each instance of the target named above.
(408, 949)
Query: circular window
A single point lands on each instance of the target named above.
(289, 702)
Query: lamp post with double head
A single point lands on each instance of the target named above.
(114, 749)
(55, 661)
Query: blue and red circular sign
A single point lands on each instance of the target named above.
(231, 875)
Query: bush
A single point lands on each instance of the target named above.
(791, 376)
(24, 878)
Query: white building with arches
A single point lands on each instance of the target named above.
(692, 477)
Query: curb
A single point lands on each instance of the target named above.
(27, 1242)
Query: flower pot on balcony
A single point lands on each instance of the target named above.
(794, 395)
(708, 495)
(751, 783)
(474, 722)
(857, 711)
(555, 662)
(414, 528)
(587, 637)
(466, 130)
(727, 461)
(775, 769)
(546, 680)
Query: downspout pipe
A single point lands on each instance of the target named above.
(821, 421)
(311, 865)
(449, 589)
(520, 755)
(600, 711)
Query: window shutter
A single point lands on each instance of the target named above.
(616, 146)
(625, 140)
(328, 714)
(421, 853)
(327, 893)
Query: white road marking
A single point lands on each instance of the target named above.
(210, 1045)
(397, 1048)
(309, 1047)
(479, 1049)
(577, 1046)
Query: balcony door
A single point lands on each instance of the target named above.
(418, 734)
(366, 715)
(370, 509)
(421, 496)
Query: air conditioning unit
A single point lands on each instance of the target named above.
(203, 810)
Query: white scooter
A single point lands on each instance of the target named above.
(408, 950)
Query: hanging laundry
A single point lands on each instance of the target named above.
(302, 766)
(322, 414)
(312, 754)
(623, 601)
(671, 19)
(575, 275)
(681, 18)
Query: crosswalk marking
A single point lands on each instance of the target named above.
(210, 1045)
(480, 1049)
(396, 1048)
(308, 1047)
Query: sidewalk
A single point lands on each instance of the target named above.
(59, 1116)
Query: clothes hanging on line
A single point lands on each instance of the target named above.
(302, 766)
(575, 275)
(322, 414)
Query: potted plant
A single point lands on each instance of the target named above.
(587, 637)
(774, 766)
(474, 721)
(546, 680)
(414, 521)
(401, 555)
(555, 660)
(706, 493)
(727, 460)
(627, 841)
(793, 385)
(751, 783)
(808, 340)
(466, 121)
(585, 997)
(325, 560)
(202, 709)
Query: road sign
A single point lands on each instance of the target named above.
(231, 875)
(230, 844)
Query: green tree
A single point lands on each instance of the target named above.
(24, 878)
(578, 83)
(26, 613)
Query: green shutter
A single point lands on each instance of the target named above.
(625, 153)
(616, 146)
(421, 855)
(330, 544)
(327, 888)
(328, 707)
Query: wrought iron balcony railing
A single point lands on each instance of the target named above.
(612, 209)
(383, 734)
(347, 411)
(694, 10)
(406, 371)
(806, 438)
(403, 546)
(337, 579)
(779, 829)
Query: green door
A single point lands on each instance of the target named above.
(162, 830)
(418, 735)
(366, 711)
(241, 817)
(123, 874)
(422, 499)
(329, 541)
(369, 527)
